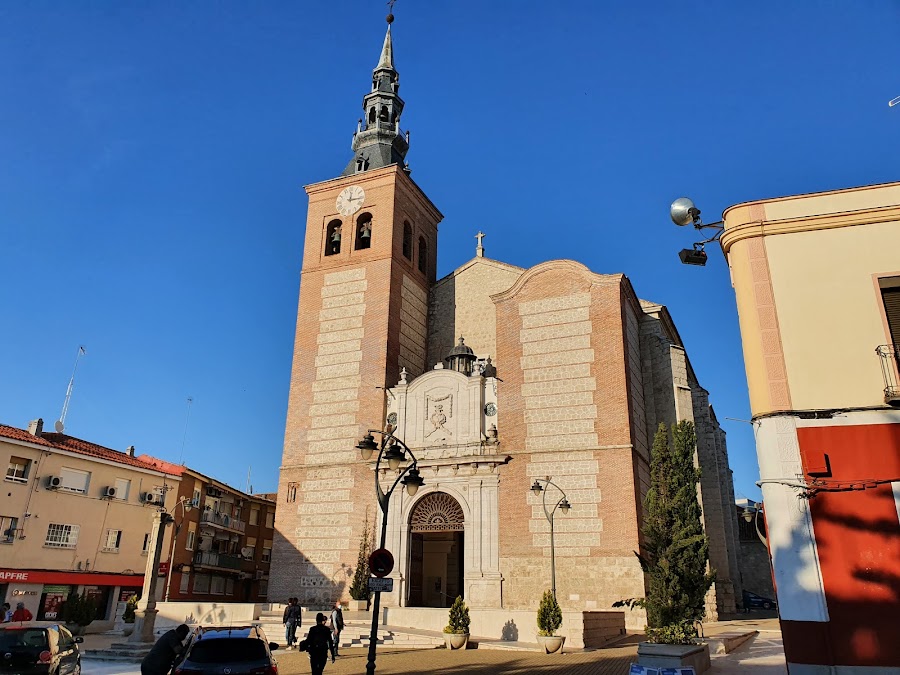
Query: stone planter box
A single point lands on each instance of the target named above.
(674, 656)
(456, 640)
(551, 644)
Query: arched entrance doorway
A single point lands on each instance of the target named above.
(436, 551)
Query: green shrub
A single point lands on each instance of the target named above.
(549, 616)
(459, 617)
(79, 610)
(682, 633)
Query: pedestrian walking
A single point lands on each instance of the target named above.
(337, 625)
(6, 614)
(319, 644)
(164, 653)
(291, 621)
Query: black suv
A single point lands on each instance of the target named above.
(238, 650)
(29, 647)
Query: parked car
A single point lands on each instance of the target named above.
(238, 650)
(39, 647)
(754, 601)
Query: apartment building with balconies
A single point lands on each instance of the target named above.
(223, 544)
(75, 517)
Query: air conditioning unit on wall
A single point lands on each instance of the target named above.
(109, 492)
(53, 482)
(151, 498)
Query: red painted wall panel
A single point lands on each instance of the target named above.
(858, 540)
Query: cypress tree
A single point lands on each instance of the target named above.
(676, 548)
(359, 587)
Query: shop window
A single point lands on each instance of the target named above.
(113, 541)
(423, 255)
(364, 231)
(8, 527)
(407, 241)
(61, 536)
(333, 238)
(17, 471)
(123, 487)
(74, 480)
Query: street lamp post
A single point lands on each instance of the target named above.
(563, 505)
(751, 515)
(392, 450)
(186, 506)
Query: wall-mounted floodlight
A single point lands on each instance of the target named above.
(684, 212)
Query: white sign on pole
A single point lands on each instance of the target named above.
(381, 585)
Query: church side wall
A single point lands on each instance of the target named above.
(461, 305)
(561, 348)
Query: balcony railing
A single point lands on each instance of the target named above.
(221, 520)
(220, 560)
(889, 355)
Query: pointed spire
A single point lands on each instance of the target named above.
(387, 53)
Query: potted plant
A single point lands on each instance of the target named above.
(549, 619)
(675, 555)
(456, 632)
(78, 613)
(128, 614)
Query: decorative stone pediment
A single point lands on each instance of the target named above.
(443, 414)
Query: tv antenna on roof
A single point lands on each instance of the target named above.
(61, 422)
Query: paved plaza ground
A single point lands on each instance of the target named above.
(762, 656)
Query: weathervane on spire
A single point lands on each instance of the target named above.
(390, 16)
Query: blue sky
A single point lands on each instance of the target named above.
(152, 158)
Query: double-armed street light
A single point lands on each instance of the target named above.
(563, 505)
(393, 451)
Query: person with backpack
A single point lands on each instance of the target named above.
(337, 625)
(318, 644)
(291, 621)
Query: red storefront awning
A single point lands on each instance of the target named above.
(73, 578)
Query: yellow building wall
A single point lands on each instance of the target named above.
(93, 514)
(804, 271)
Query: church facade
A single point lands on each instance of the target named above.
(495, 376)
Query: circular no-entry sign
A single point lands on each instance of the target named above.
(381, 562)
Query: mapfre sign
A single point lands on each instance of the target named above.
(13, 575)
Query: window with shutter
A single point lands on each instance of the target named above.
(891, 298)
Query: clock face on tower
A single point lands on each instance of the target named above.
(350, 200)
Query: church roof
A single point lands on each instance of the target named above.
(387, 53)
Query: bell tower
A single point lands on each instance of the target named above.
(369, 261)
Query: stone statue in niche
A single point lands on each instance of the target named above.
(440, 411)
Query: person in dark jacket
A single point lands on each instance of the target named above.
(291, 621)
(168, 648)
(319, 644)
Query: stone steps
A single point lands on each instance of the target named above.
(130, 652)
(357, 635)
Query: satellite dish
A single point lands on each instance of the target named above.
(683, 212)
(246, 552)
(58, 426)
